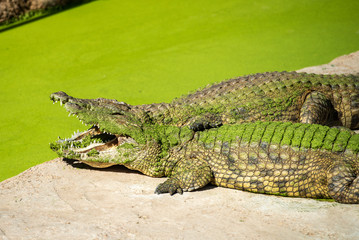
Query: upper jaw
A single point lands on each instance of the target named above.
(93, 111)
(112, 105)
(72, 105)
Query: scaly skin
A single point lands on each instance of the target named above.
(298, 160)
(331, 100)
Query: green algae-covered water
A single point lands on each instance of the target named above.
(143, 52)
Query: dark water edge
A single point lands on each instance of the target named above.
(35, 15)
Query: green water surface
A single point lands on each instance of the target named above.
(151, 51)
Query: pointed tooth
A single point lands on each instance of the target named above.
(60, 103)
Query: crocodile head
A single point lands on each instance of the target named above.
(116, 135)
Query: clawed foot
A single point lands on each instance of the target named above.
(169, 187)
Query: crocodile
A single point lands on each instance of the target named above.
(331, 100)
(281, 158)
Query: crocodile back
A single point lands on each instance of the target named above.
(274, 96)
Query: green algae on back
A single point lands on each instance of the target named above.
(296, 135)
(353, 144)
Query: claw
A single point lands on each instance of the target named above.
(169, 187)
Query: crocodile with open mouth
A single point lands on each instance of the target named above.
(282, 158)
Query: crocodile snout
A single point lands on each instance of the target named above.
(62, 97)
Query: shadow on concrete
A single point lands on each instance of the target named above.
(114, 168)
(119, 169)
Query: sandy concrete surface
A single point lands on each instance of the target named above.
(346, 64)
(65, 200)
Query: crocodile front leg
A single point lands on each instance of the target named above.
(187, 175)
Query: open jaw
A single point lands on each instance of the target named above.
(93, 147)
(97, 146)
